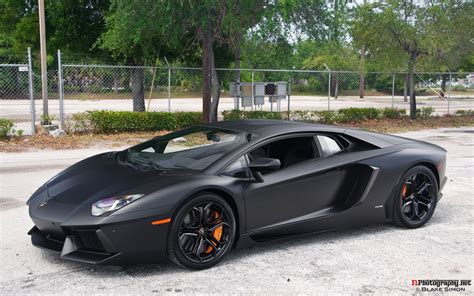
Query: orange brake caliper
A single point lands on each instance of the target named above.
(404, 190)
(217, 233)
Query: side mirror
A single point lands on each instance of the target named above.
(264, 165)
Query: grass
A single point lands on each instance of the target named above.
(75, 141)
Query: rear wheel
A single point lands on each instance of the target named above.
(202, 232)
(416, 199)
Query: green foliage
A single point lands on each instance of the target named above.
(239, 114)
(357, 114)
(425, 112)
(459, 87)
(335, 55)
(78, 123)
(47, 119)
(468, 112)
(326, 117)
(125, 121)
(72, 26)
(6, 127)
(393, 113)
(232, 114)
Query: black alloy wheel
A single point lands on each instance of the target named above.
(202, 232)
(417, 198)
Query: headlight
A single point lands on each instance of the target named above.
(112, 204)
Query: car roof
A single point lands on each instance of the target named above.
(268, 127)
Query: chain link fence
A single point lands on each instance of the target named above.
(170, 89)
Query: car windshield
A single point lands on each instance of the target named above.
(194, 148)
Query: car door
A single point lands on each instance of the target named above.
(294, 193)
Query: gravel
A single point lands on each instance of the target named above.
(375, 259)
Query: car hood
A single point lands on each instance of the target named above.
(102, 176)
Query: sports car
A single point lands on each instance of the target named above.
(193, 195)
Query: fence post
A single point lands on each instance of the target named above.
(31, 92)
(289, 97)
(449, 90)
(61, 91)
(253, 99)
(169, 89)
(329, 86)
(393, 89)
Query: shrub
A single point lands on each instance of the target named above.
(239, 114)
(327, 117)
(6, 127)
(78, 122)
(393, 112)
(425, 112)
(459, 87)
(262, 115)
(124, 121)
(464, 112)
(232, 114)
(357, 114)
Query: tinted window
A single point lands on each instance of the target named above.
(289, 151)
(329, 146)
(194, 148)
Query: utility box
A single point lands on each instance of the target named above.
(259, 100)
(260, 89)
(247, 102)
(246, 90)
(270, 89)
(233, 89)
(281, 90)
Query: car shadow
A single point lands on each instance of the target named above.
(238, 255)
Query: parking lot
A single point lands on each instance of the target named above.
(374, 259)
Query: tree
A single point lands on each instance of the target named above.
(72, 26)
(454, 57)
(212, 23)
(135, 35)
(336, 56)
(406, 28)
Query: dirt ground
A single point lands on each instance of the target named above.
(377, 259)
(88, 140)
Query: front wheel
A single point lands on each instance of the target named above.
(202, 232)
(416, 199)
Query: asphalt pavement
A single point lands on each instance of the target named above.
(376, 259)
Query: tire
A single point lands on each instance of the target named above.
(412, 209)
(202, 232)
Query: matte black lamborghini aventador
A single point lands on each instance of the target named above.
(193, 195)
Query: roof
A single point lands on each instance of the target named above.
(267, 127)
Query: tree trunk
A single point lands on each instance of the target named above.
(138, 94)
(411, 85)
(405, 89)
(115, 83)
(206, 72)
(237, 76)
(336, 90)
(444, 78)
(333, 84)
(362, 73)
(216, 90)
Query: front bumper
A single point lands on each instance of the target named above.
(123, 243)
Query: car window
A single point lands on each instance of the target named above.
(194, 148)
(329, 146)
(289, 151)
(238, 169)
